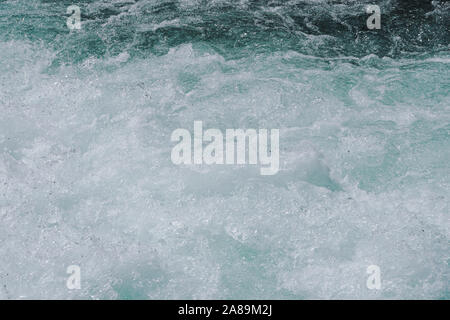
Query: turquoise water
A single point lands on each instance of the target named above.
(85, 171)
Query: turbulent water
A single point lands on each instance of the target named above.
(86, 177)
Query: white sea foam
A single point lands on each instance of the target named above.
(86, 177)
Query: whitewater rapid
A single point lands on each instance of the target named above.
(86, 177)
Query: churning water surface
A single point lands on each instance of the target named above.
(86, 177)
